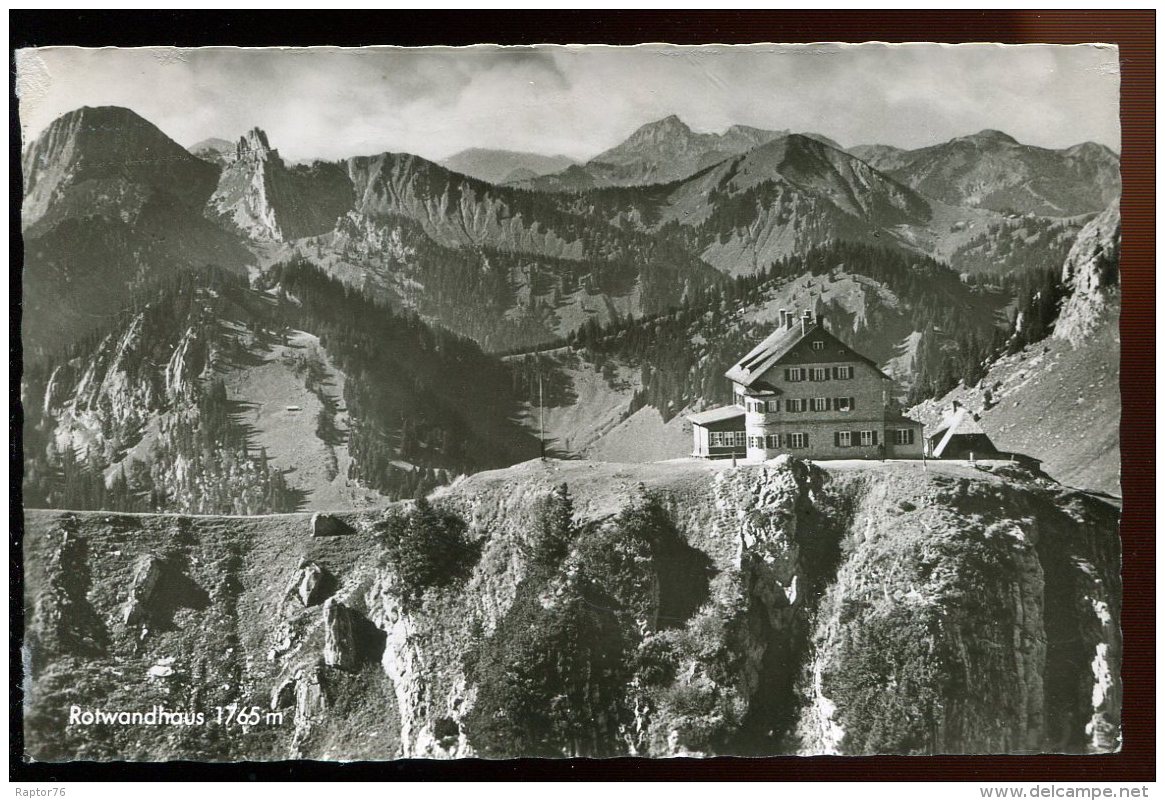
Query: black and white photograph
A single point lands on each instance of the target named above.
(570, 401)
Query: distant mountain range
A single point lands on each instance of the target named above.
(504, 166)
(993, 171)
(660, 152)
(117, 214)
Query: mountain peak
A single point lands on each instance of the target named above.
(670, 125)
(253, 145)
(1091, 149)
(992, 136)
(670, 121)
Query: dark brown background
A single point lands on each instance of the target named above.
(1133, 31)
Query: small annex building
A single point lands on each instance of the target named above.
(803, 391)
(960, 436)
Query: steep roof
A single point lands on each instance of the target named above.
(959, 422)
(776, 346)
(963, 420)
(716, 415)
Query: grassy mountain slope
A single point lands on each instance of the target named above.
(306, 393)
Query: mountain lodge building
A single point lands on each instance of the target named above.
(803, 391)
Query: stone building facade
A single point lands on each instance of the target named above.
(803, 391)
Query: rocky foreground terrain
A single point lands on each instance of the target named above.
(693, 609)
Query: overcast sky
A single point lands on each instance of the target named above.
(579, 101)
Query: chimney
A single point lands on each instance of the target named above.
(784, 319)
(806, 321)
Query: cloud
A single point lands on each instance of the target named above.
(580, 100)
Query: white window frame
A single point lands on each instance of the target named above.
(845, 372)
(845, 439)
(739, 439)
(772, 441)
(796, 373)
(819, 344)
(842, 405)
(818, 373)
(819, 405)
(773, 406)
(866, 438)
(796, 440)
(902, 436)
(715, 439)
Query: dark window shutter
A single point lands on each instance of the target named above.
(787, 374)
(875, 440)
(910, 437)
(828, 404)
(805, 439)
(837, 439)
(852, 405)
(835, 372)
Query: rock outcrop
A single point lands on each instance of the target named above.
(268, 200)
(1091, 277)
(326, 525)
(339, 641)
(147, 577)
(311, 583)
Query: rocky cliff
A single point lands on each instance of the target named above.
(267, 200)
(688, 608)
(1091, 277)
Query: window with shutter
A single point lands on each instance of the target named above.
(774, 440)
(875, 433)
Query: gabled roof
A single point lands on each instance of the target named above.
(963, 420)
(716, 415)
(775, 347)
(960, 422)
